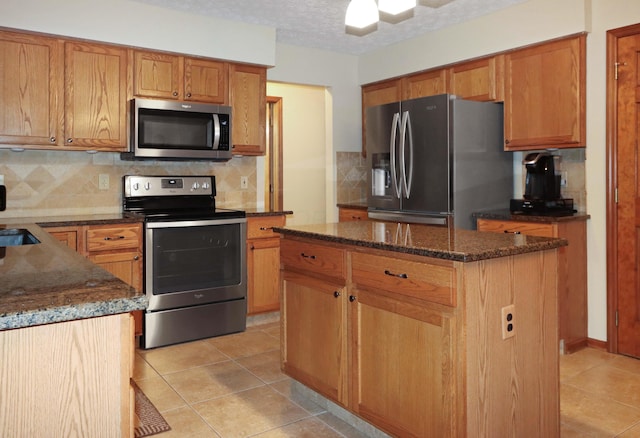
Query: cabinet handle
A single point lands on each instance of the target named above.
(336, 294)
(356, 218)
(511, 232)
(69, 140)
(312, 257)
(175, 93)
(114, 238)
(391, 274)
(266, 228)
(352, 298)
(52, 139)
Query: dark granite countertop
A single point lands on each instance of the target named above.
(49, 282)
(424, 240)
(356, 205)
(257, 212)
(74, 220)
(506, 215)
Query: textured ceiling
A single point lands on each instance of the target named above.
(320, 23)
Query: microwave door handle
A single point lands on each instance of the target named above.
(393, 146)
(216, 132)
(407, 138)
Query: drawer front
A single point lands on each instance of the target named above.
(518, 227)
(419, 280)
(311, 257)
(261, 227)
(352, 214)
(110, 237)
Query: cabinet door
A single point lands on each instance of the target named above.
(95, 96)
(157, 75)
(544, 104)
(404, 366)
(263, 275)
(31, 90)
(424, 84)
(206, 81)
(66, 235)
(248, 98)
(314, 321)
(518, 227)
(126, 265)
(477, 80)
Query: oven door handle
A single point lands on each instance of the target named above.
(195, 223)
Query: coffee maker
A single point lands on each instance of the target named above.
(542, 188)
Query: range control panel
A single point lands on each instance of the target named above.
(135, 186)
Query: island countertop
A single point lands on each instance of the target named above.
(49, 282)
(424, 240)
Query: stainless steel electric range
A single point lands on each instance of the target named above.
(194, 259)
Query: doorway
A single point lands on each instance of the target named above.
(623, 190)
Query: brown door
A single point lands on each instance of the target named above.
(624, 214)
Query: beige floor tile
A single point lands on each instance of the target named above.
(265, 366)
(306, 428)
(626, 363)
(608, 382)
(211, 381)
(633, 432)
(141, 369)
(285, 388)
(582, 360)
(345, 429)
(183, 356)
(584, 411)
(163, 397)
(185, 423)
(245, 344)
(249, 412)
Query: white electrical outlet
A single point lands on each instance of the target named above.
(507, 316)
(244, 182)
(103, 181)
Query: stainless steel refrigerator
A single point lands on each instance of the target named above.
(437, 160)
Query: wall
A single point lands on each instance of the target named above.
(304, 149)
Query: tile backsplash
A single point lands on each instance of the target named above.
(53, 183)
(351, 178)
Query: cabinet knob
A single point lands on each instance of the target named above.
(69, 140)
(506, 141)
(336, 294)
(188, 94)
(136, 258)
(52, 139)
(252, 247)
(175, 93)
(352, 298)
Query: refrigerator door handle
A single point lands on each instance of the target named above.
(407, 138)
(393, 146)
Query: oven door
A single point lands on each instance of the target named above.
(189, 263)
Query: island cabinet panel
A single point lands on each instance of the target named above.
(68, 379)
(402, 366)
(314, 334)
(544, 104)
(32, 89)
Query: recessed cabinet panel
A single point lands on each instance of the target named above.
(205, 81)
(248, 98)
(157, 75)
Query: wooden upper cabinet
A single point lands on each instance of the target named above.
(478, 80)
(166, 76)
(544, 105)
(424, 84)
(248, 99)
(95, 96)
(378, 94)
(31, 90)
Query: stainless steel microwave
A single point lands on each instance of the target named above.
(172, 130)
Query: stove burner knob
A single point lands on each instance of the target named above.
(147, 186)
(136, 186)
(195, 186)
(205, 185)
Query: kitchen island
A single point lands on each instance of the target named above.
(66, 342)
(424, 331)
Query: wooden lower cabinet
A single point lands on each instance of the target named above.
(346, 214)
(572, 272)
(117, 248)
(68, 379)
(414, 344)
(263, 264)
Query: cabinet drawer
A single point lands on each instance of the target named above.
(113, 237)
(260, 227)
(310, 257)
(518, 227)
(352, 214)
(419, 280)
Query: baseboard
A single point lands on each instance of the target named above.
(598, 344)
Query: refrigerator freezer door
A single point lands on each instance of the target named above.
(427, 155)
(383, 177)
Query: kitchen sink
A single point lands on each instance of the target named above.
(16, 237)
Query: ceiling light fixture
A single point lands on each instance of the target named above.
(395, 7)
(362, 13)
